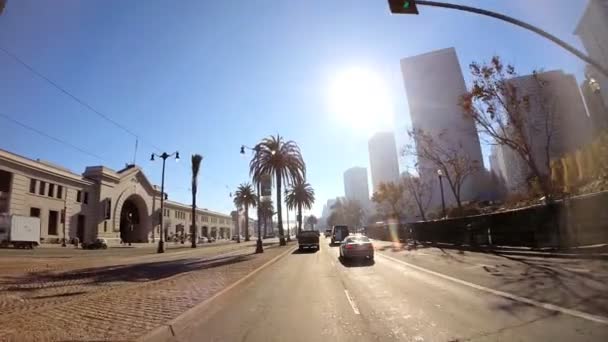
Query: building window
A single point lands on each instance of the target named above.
(51, 190)
(86, 198)
(105, 226)
(32, 186)
(53, 219)
(78, 196)
(108, 209)
(35, 212)
(59, 191)
(41, 188)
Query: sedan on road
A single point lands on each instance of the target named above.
(356, 247)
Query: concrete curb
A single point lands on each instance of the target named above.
(170, 330)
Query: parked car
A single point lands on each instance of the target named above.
(338, 233)
(211, 239)
(308, 239)
(203, 239)
(357, 247)
(99, 243)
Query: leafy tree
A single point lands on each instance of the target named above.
(244, 197)
(503, 113)
(300, 195)
(454, 163)
(312, 221)
(195, 167)
(348, 212)
(389, 199)
(283, 159)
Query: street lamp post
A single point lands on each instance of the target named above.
(164, 156)
(440, 175)
(259, 247)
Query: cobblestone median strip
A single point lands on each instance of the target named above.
(41, 284)
(124, 313)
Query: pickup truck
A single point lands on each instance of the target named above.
(308, 238)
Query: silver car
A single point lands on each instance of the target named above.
(356, 247)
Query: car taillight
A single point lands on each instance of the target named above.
(349, 246)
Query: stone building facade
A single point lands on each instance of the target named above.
(116, 205)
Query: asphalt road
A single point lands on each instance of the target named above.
(315, 297)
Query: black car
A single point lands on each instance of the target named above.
(96, 244)
(338, 234)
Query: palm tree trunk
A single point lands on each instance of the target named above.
(193, 227)
(246, 223)
(282, 241)
(299, 218)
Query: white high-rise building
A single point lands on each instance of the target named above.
(556, 105)
(434, 85)
(592, 29)
(383, 159)
(355, 185)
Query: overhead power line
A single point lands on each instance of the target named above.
(19, 123)
(72, 96)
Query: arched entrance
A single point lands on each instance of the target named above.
(133, 220)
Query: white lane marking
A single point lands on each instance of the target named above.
(547, 306)
(574, 269)
(352, 302)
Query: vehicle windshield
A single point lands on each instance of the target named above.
(357, 239)
(312, 170)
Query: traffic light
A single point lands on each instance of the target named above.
(403, 6)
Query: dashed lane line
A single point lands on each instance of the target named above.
(352, 303)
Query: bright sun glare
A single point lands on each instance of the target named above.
(359, 99)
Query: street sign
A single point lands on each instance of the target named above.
(403, 6)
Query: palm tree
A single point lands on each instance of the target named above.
(196, 166)
(275, 156)
(243, 198)
(301, 194)
(266, 211)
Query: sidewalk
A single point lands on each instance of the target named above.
(128, 301)
(598, 252)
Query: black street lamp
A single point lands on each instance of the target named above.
(164, 156)
(259, 248)
(440, 175)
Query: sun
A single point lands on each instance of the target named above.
(359, 99)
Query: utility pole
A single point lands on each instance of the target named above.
(65, 211)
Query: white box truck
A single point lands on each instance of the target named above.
(19, 231)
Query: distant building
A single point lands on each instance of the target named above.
(434, 85)
(383, 159)
(355, 185)
(592, 29)
(558, 104)
(116, 205)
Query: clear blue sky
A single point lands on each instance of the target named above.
(207, 76)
